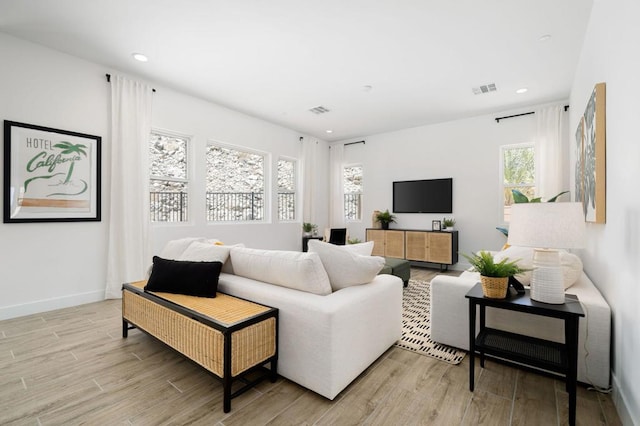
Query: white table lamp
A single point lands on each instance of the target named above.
(547, 227)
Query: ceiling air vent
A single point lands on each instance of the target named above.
(319, 110)
(484, 89)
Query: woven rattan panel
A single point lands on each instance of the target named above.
(199, 342)
(252, 345)
(223, 308)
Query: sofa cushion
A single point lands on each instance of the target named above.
(524, 258)
(364, 249)
(296, 270)
(174, 248)
(344, 266)
(205, 252)
(184, 277)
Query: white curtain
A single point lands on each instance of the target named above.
(129, 251)
(309, 156)
(336, 191)
(552, 162)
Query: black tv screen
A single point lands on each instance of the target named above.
(423, 196)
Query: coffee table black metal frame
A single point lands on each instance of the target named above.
(561, 358)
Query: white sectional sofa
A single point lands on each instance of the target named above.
(450, 323)
(327, 335)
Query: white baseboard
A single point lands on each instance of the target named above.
(621, 402)
(14, 311)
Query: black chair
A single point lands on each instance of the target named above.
(338, 236)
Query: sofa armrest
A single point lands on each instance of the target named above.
(450, 310)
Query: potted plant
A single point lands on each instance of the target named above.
(307, 228)
(353, 241)
(385, 218)
(448, 223)
(494, 276)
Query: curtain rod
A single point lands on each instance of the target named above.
(353, 143)
(566, 107)
(109, 80)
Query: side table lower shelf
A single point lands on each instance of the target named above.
(523, 349)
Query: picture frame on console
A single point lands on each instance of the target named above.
(436, 225)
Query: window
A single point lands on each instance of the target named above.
(235, 185)
(286, 189)
(352, 184)
(168, 187)
(518, 172)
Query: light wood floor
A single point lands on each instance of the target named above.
(72, 366)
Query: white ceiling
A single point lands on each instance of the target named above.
(277, 59)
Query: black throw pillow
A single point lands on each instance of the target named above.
(184, 277)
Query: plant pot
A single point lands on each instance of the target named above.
(494, 287)
(385, 225)
(306, 234)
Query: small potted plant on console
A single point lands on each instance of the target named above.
(308, 228)
(448, 223)
(385, 218)
(494, 276)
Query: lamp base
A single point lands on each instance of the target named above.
(547, 282)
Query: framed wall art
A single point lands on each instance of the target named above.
(591, 159)
(50, 175)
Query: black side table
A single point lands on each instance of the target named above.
(305, 241)
(560, 358)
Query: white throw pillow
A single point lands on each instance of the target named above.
(344, 266)
(571, 268)
(364, 249)
(296, 270)
(205, 252)
(174, 248)
(524, 257)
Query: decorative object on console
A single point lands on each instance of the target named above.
(436, 225)
(448, 223)
(308, 228)
(385, 218)
(547, 227)
(375, 223)
(494, 276)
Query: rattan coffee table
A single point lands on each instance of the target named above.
(227, 336)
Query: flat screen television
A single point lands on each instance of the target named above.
(423, 196)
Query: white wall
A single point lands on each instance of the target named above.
(612, 256)
(467, 150)
(46, 266)
(49, 265)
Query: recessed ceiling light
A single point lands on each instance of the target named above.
(545, 37)
(329, 131)
(140, 57)
(523, 90)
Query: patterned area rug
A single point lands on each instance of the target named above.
(416, 325)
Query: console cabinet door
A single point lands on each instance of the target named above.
(394, 244)
(416, 245)
(377, 236)
(440, 246)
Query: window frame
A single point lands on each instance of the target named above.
(266, 172)
(361, 193)
(503, 149)
(188, 180)
(296, 187)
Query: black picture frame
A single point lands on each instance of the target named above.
(436, 225)
(51, 175)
